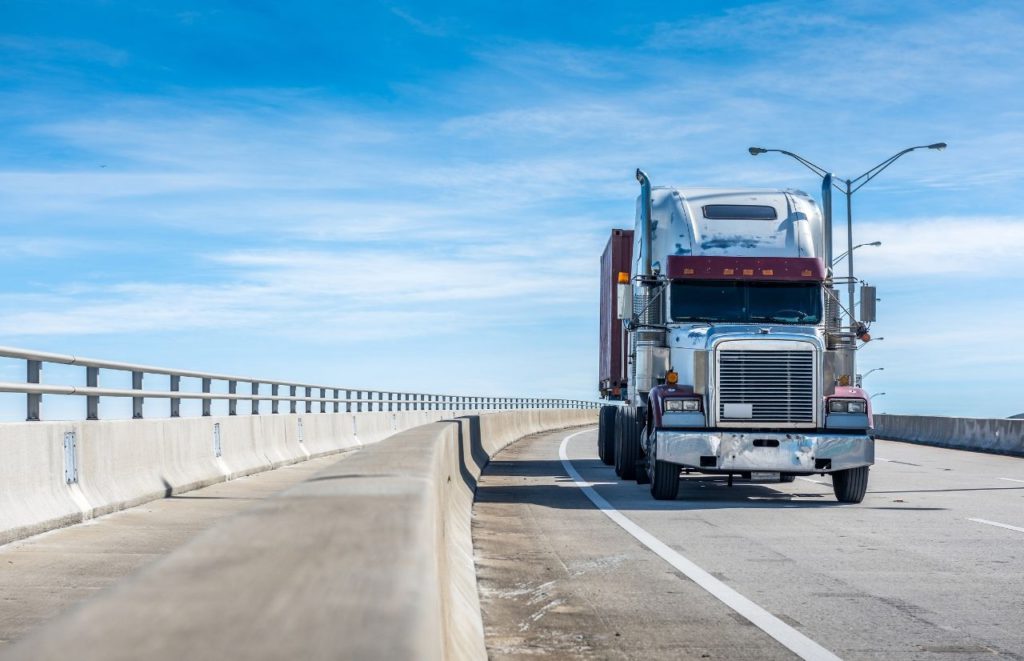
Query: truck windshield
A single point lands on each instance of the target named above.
(756, 302)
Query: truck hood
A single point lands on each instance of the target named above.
(702, 336)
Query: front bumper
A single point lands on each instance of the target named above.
(784, 452)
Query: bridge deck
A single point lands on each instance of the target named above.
(908, 573)
(43, 575)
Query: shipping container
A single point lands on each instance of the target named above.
(616, 259)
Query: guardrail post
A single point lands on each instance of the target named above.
(336, 397)
(274, 392)
(232, 403)
(293, 404)
(380, 398)
(33, 401)
(309, 400)
(359, 401)
(255, 406)
(323, 397)
(92, 402)
(175, 401)
(207, 403)
(348, 401)
(137, 401)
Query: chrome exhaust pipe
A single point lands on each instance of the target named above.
(645, 222)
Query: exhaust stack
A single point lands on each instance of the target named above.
(645, 222)
(826, 205)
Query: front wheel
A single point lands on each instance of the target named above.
(606, 434)
(851, 484)
(664, 475)
(786, 477)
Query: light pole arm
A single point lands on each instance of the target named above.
(816, 169)
(875, 171)
(813, 167)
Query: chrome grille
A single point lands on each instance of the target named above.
(778, 386)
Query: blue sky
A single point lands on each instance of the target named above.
(414, 195)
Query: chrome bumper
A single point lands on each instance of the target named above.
(741, 451)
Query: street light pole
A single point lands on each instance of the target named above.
(850, 186)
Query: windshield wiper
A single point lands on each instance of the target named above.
(800, 316)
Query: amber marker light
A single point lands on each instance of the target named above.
(672, 378)
(728, 271)
(748, 271)
(806, 273)
(623, 278)
(767, 272)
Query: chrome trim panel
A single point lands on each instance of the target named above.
(795, 452)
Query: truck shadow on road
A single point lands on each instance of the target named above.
(517, 482)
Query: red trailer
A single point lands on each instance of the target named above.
(616, 259)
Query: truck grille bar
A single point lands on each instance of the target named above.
(761, 386)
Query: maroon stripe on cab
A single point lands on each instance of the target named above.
(778, 269)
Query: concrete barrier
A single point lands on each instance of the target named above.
(370, 558)
(997, 435)
(123, 463)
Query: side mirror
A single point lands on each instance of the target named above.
(625, 301)
(868, 297)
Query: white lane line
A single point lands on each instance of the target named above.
(997, 524)
(789, 637)
(881, 459)
(807, 479)
(1010, 479)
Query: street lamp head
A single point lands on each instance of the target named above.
(754, 151)
(938, 145)
(874, 243)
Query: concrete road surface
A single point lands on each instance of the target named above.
(929, 566)
(43, 575)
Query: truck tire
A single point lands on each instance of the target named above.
(851, 484)
(664, 476)
(642, 475)
(786, 477)
(606, 435)
(627, 443)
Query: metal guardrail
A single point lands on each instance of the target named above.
(354, 400)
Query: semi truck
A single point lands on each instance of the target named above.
(723, 343)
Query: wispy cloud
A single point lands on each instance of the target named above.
(944, 247)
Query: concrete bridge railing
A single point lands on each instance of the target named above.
(999, 435)
(55, 473)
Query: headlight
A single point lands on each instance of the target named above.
(847, 406)
(672, 405)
